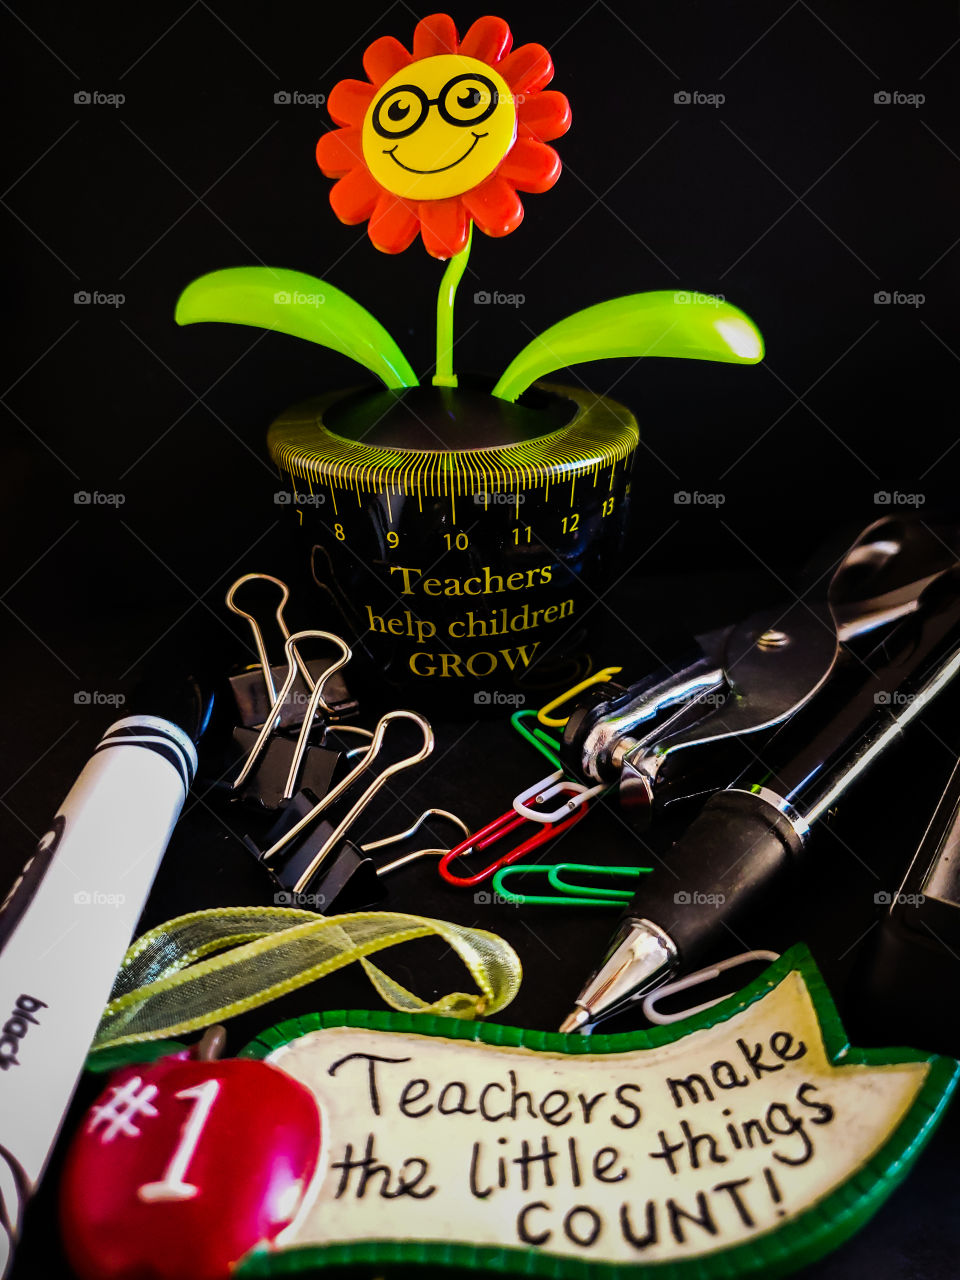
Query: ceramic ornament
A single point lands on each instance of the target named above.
(749, 1139)
(181, 1166)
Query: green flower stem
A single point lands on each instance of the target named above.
(444, 376)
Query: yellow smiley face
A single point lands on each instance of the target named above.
(439, 127)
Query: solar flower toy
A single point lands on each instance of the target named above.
(466, 524)
(445, 137)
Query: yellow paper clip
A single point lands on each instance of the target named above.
(556, 722)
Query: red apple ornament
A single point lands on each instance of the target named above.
(182, 1166)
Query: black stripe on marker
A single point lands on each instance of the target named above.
(163, 749)
(152, 739)
(147, 730)
(142, 729)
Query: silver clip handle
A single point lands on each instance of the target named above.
(258, 632)
(316, 699)
(358, 807)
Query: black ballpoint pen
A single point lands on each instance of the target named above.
(749, 837)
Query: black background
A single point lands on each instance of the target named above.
(799, 198)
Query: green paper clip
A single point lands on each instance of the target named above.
(545, 743)
(568, 895)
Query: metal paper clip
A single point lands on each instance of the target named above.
(653, 1014)
(568, 895)
(555, 784)
(316, 699)
(496, 830)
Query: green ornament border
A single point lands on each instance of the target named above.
(796, 1242)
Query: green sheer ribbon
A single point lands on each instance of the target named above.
(202, 968)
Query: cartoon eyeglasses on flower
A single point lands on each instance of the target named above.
(465, 100)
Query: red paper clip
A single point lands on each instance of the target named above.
(496, 830)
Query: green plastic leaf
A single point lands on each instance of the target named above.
(692, 326)
(301, 305)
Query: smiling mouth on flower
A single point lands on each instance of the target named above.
(392, 153)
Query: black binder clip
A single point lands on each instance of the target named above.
(314, 861)
(255, 688)
(277, 765)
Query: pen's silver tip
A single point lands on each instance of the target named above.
(575, 1021)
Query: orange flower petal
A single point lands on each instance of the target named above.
(393, 224)
(527, 69)
(530, 166)
(494, 206)
(384, 58)
(349, 100)
(354, 197)
(445, 226)
(434, 35)
(544, 115)
(339, 151)
(489, 39)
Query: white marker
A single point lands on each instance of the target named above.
(64, 929)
